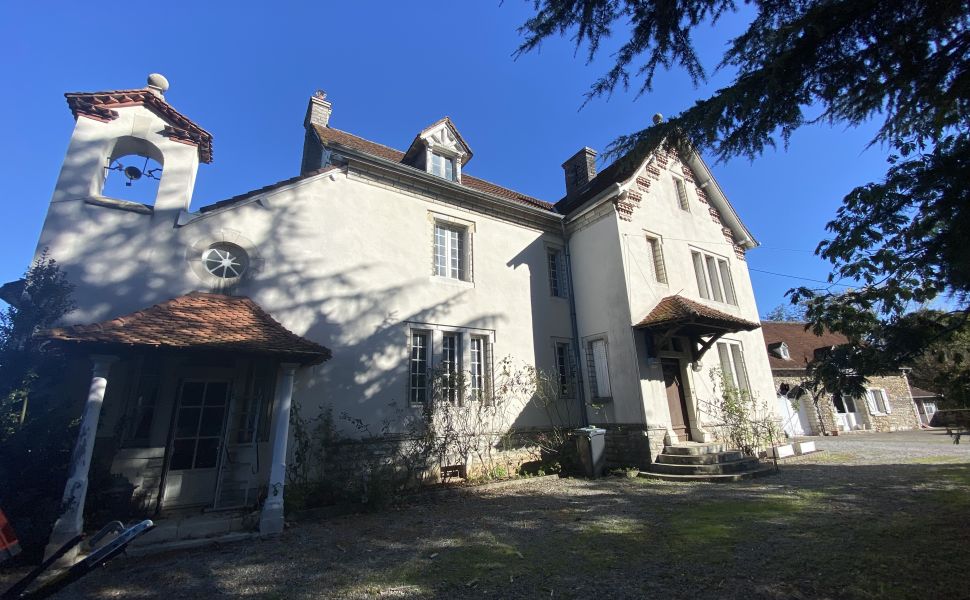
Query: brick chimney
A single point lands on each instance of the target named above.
(317, 113)
(579, 170)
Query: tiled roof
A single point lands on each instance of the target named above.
(101, 105)
(921, 393)
(331, 135)
(801, 343)
(619, 171)
(266, 188)
(679, 310)
(197, 321)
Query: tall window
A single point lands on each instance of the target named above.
(657, 256)
(566, 370)
(449, 251)
(480, 368)
(418, 381)
(442, 166)
(599, 372)
(681, 193)
(878, 401)
(714, 281)
(732, 366)
(557, 273)
(450, 366)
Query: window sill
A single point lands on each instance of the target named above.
(461, 283)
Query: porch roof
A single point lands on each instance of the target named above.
(197, 321)
(694, 317)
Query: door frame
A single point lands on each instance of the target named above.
(678, 364)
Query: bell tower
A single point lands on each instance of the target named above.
(127, 141)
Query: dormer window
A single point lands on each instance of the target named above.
(442, 166)
(780, 350)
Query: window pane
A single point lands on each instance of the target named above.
(215, 393)
(418, 368)
(476, 367)
(728, 282)
(681, 193)
(450, 365)
(187, 424)
(449, 169)
(207, 453)
(212, 418)
(712, 277)
(659, 270)
(724, 356)
(555, 285)
(699, 274)
(182, 451)
(192, 393)
(739, 368)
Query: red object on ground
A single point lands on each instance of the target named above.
(9, 546)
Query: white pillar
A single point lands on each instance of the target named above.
(71, 521)
(271, 520)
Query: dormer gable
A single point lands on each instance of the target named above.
(440, 150)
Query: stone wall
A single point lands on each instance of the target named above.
(633, 445)
(902, 411)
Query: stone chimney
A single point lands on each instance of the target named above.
(579, 170)
(318, 111)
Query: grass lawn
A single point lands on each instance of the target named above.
(837, 525)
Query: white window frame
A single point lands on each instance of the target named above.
(437, 361)
(565, 368)
(556, 267)
(680, 188)
(416, 371)
(657, 264)
(442, 166)
(600, 386)
(734, 369)
(450, 251)
(874, 404)
(714, 278)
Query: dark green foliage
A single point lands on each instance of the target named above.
(906, 64)
(37, 421)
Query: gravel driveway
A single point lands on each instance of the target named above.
(871, 516)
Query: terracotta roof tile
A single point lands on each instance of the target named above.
(329, 134)
(619, 171)
(801, 343)
(102, 105)
(677, 309)
(197, 321)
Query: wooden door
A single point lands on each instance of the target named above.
(676, 400)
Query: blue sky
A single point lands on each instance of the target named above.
(390, 69)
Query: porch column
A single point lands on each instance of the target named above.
(271, 520)
(71, 521)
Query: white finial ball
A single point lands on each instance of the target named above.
(158, 81)
(658, 119)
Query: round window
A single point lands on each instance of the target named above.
(226, 261)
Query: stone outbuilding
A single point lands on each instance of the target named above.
(887, 406)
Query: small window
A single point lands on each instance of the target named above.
(557, 273)
(565, 370)
(714, 281)
(442, 166)
(225, 261)
(732, 366)
(681, 193)
(599, 372)
(418, 367)
(450, 244)
(656, 252)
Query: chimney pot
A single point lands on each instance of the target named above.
(318, 111)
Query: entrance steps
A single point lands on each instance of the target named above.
(704, 462)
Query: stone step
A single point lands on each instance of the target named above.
(726, 478)
(718, 468)
(699, 459)
(694, 448)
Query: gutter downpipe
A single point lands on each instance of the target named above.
(580, 387)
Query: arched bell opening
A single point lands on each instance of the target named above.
(133, 171)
